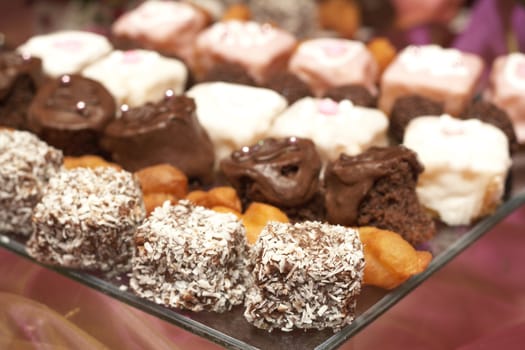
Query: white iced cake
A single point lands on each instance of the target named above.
(466, 164)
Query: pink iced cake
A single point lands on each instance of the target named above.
(328, 62)
(166, 26)
(444, 75)
(507, 89)
(260, 48)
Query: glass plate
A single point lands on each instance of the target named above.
(232, 331)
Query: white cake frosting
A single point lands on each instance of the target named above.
(514, 71)
(138, 76)
(235, 115)
(434, 60)
(334, 127)
(66, 52)
(466, 163)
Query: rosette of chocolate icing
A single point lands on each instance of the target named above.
(70, 113)
(283, 172)
(167, 131)
(19, 80)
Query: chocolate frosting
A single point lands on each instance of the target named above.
(70, 113)
(164, 132)
(13, 66)
(283, 172)
(349, 179)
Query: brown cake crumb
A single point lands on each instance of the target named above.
(407, 108)
(26, 165)
(229, 73)
(190, 257)
(307, 275)
(289, 85)
(358, 94)
(490, 113)
(86, 220)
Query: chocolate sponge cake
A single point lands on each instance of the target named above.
(163, 132)
(20, 77)
(378, 188)
(70, 113)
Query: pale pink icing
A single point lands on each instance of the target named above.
(167, 26)
(131, 57)
(327, 62)
(328, 106)
(256, 47)
(507, 89)
(70, 45)
(444, 75)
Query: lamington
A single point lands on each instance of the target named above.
(305, 276)
(135, 77)
(26, 165)
(20, 77)
(444, 75)
(334, 127)
(86, 220)
(190, 257)
(67, 51)
(235, 115)
(466, 164)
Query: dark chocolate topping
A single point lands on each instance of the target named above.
(349, 179)
(358, 94)
(229, 73)
(283, 172)
(289, 85)
(72, 102)
(164, 132)
(489, 113)
(13, 65)
(407, 108)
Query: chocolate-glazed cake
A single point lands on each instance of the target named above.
(70, 113)
(20, 77)
(407, 108)
(358, 94)
(86, 220)
(164, 132)
(283, 172)
(378, 188)
(490, 113)
(26, 165)
(306, 275)
(289, 85)
(229, 73)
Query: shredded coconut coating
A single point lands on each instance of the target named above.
(86, 220)
(191, 257)
(305, 275)
(26, 165)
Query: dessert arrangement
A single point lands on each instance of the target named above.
(228, 164)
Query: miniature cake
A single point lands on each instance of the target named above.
(407, 108)
(289, 86)
(260, 48)
(327, 62)
(190, 257)
(26, 165)
(235, 115)
(489, 113)
(70, 113)
(378, 188)
(507, 89)
(333, 127)
(283, 172)
(66, 52)
(20, 77)
(466, 163)
(86, 220)
(444, 75)
(164, 132)
(165, 26)
(138, 76)
(359, 95)
(307, 275)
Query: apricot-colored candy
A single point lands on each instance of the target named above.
(163, 178)
(88, 161)
(257, 216)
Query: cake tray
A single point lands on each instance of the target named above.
(232, 331)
